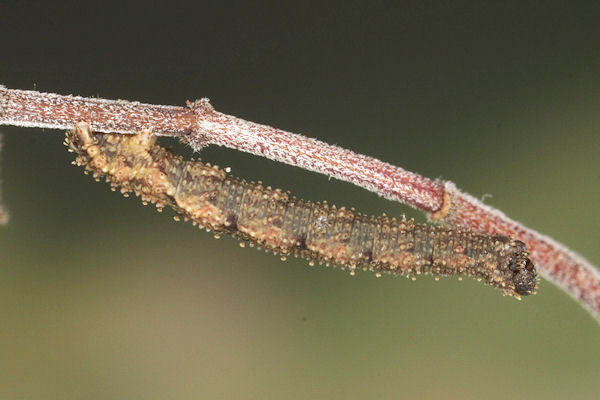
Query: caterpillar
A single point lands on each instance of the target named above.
(276, 221)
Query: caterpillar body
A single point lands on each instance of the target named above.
(276, 221)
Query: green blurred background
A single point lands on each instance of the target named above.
(101, 297)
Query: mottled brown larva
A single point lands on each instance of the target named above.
(272, 219)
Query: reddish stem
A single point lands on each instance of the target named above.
(47, 110)
(201, 124)
(385, 179)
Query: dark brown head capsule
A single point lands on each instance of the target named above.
(524, 274)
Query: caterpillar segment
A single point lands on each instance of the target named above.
(276, 221)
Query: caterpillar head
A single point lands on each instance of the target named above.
(524, 276)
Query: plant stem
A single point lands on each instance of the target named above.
(200, 125)
(47, 110)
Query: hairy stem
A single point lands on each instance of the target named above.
(201, 125)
